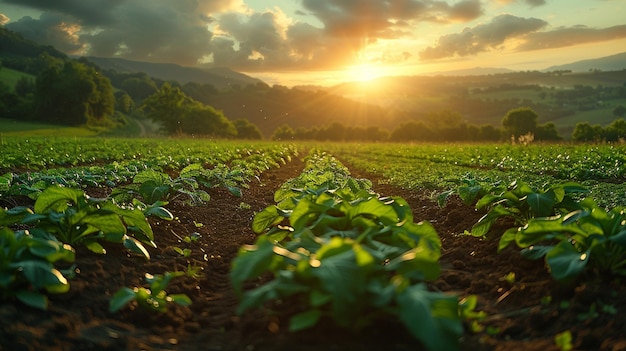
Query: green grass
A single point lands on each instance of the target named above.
(10, 76)
(9, 127)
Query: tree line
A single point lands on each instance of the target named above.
(446, 125)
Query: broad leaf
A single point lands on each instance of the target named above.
(541, 204)
(304, 320)
(565, 261)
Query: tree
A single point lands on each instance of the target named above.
(284, 132)
(24, 86)
(139, 88)
(411, 131)
(177, 113)
(547, 132)
(489, 133)
(616, 130)
(73, 95)
(619, 111)
(584, 132)
(205, 120)
(123, 102)
(247, 130)
(167, 106)
(520, 121)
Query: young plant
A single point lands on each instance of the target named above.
(27, 263)
(153, 186)
(521, 203)
(353, 258)
(154, 298)
(75, 218)
(589, 238)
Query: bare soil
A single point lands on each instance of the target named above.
(524, 314)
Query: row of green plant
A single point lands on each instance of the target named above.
(440, 166)
(36, 154)
(61, 219)
(344, 254)
(233, 169)
(559, 223)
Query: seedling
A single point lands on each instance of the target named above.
(154, 298)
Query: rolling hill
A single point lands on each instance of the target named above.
(615, 62)
(219, 77)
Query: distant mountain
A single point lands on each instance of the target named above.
(220, 77)
(615, 62)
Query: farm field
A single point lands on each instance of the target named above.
(213, 207)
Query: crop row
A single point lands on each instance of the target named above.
(339, 251)
(169, 154)
(602, 168)
(227, 162)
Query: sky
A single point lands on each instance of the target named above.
(324, 42)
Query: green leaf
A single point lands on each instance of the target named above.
(121, 298)
(95, 247)
(481, 228)
(135, 246)
(33, 299)
(159, 212)
(486, 200)
(541, 204)
(56, 198)
(432, 318)
(40, 273)
(507, 238)
(14, 215)
(234, 190)
(180, 299)
(373, 207)
(252, 261)
(565, 261)
(106, 222)
(153, 191)
(265, 219)
(469, 193)
(536, 252)
(5, 182)
(304, 320)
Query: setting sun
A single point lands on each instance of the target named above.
(363, 73)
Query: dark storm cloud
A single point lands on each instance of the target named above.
(483, 37)
(52, 29)
(156, 30)
(570, 36)
(92, 12)
(153, 33)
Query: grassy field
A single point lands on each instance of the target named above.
(10, 127)
(10, 76)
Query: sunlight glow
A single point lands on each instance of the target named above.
(363, 73)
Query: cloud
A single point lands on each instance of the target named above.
(378, 18)
(93, 12)
(4, 19)
(483, 37)
(571, 36)
(228, 33)
(531, 3)
(52, 29)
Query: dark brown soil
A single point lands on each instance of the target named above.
(519, 316)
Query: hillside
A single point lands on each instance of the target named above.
(615, 62)
(218, 77)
